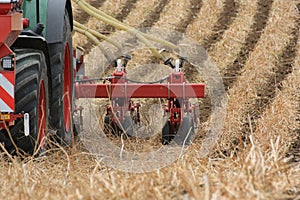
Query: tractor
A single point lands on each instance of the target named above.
(36, 73)
(40, 78)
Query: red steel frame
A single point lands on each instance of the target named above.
(11, 26)
(133, 90)
(120, 92)
(120, 88)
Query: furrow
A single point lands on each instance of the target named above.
(257, 70)
(207, 17)
(195, 6)
(225, 19)
(182, 14)
(122, 14)
(154, 15)
(284, 66)
(111, 8)
(81, 16)
(233, 70)
(234, 38)
(281, 117)
(226, 49)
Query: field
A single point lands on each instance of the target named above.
(256, 47)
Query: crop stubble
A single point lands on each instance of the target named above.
(259, 66)
(259, 169)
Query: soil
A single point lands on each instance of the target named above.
(260, 21)
(225, 19)
(154, 16)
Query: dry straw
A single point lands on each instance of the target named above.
(179, 10)
(140, 12)
(225, 51)
(280, 118)
(109, 7)
(208, 16)
(256, 172)
(258, 68)
(173, 14)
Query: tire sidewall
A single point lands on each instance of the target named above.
(29, 144)
(60, 48)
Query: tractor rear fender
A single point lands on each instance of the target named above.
(55, 19)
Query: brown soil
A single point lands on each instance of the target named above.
(122, 14)
(260, 18)
(193, 11)
(285, 63)
(225, 19)
(154, 16)
(82, 17)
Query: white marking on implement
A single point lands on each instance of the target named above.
(7, 85)
(4, 107)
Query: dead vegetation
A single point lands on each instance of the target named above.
(257, 156)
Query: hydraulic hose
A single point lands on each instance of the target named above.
(117, 24)
(94, 40)
(97, 34)
(154, 39)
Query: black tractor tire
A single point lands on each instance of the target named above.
(166, 135)
(112, 127)
(186, 131)
(61, 62)
(31, 96)
(107, 125)
(128, 125)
